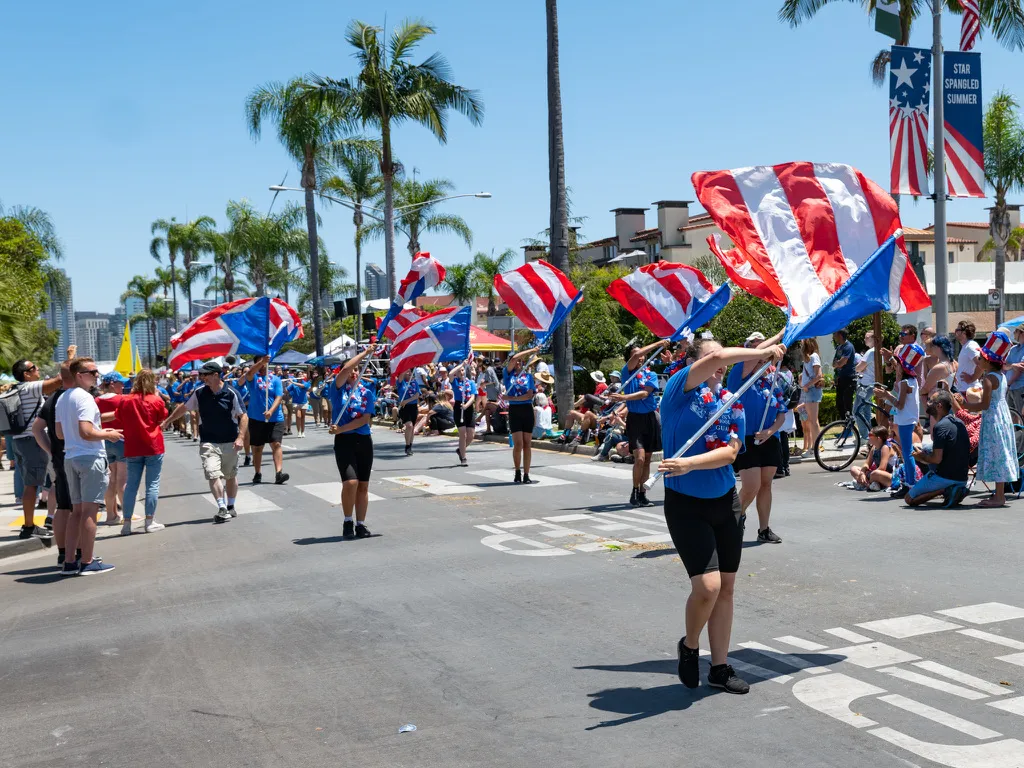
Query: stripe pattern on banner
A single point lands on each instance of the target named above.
(538, 294)
(662, 295)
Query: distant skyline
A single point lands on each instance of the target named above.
(124, 113)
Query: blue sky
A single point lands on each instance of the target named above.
(119, 113)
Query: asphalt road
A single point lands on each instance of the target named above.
(507, 637)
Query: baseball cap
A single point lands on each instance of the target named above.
(114, 377)
(755, 336)
(211, 367)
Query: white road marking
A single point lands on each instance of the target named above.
(940, 717)
(1008, 753)
(984, 613)
(832, 695)
(785, 658)
(845, 634)
(759, 672)
(631, 520)
(873, 655)
(330, 492)
(612, 527)
(931, 682)
(539, 549)
(1007, 642)
(518, 523)
(541, 481)
(592, 469)
(654, 538)
(432, 485)
(1013, 658)
(798, 642)
(567, 518)
(1013, 706)
(247, 503)
(598, 546)
(962, 677)
(902, 627)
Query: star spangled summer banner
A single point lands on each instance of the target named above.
(965, 156)
(909, 84)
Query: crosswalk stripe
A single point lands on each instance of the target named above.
(759, 672)
(1013, 658)
(902, 627)
(593, 469)
(798, 642)
(330, 492)
(931, 682)
(432, 485)
(845, 634)
(540, 481)
(962, 677)
(248, 502)
(1007, 642)
(984, 613)
(940, 717)
(1013, 706)
(785, 658)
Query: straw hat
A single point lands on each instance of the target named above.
(597, 376)
(545, 378)
(533, 361)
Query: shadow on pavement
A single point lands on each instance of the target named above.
(34, 571)
(330, 539)
(47, 578)
(635, 703)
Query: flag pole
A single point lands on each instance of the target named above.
(768, 403)
(939, 172)
(337, 417)
(725, 406)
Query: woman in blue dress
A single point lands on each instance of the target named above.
(702, 508)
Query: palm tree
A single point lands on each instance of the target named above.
(1004, 171)
(191, 239)
(489, 267)
(416, 201)
(313, 132)
(463, 282)
(142, 287)
(1014, 246)
(217, 287)
(360, 182)
(1003, 18)
(559, 249)
(390, 90)
(169, 240)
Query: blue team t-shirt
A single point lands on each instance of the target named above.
(299, 390)
(176, 392)
(362, 401)
(682, 414)
(518, 385)
(457, 389)
(645, 379)
(262, 392)
(408, 390)
(764, 391)
(468, 390)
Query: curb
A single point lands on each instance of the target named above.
(19, 547)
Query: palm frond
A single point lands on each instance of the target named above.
(406, 37)
(880, 67)
(449, 224)
(1005, 20)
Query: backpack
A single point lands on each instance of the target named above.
(10, 412)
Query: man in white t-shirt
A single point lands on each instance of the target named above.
(967, 362)
(85, 463)
(865, 387)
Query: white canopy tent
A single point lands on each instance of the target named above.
(343, 346)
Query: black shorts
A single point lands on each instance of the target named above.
(408, 413)
(465, 418)
(707, 533)
(767, 454)
(263, 432)
(354, 456)
(60, 485)
(520, 418)
(457, 411)
(643, 431)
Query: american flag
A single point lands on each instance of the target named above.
(910, 72)
(970, 27)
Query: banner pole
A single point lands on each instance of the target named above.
(939, 174)
(336, 417)
(732, 399)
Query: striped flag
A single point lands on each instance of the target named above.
(539, 295)
(440, 341)
(805, 228)
(970, 26)
(740, 272)
(426, 273)
(400, 322)
(670, 299)
(909, 80)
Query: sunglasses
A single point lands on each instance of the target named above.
(32, 368)
(91, 372)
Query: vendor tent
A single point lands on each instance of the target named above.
(291, 357)
(343, 345)
(482, 341)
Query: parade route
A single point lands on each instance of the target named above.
(871, 635)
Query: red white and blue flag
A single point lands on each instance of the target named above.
(970, 25)
(910, 75)
(400, 322)
(740, 272)
(441, 340)
(671, 299)
(964, 143)
(539, 295)
(426, 273)
(243, 327)
(416, 319)
(806, 228)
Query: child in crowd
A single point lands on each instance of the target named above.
(876, 473)
(905, 408)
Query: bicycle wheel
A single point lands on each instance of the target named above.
(836, 447)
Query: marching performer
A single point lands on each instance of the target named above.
(702, 508)
(352, 402)
(519, 391)
(465, 390)
(408, 392)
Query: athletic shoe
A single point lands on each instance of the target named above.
(527, 480)
(348, 530)
(859, 487)
(154, 527)
(899, 493)
(874, 487)
(126, 529)
(248, 461)
(95, 567)
(633, 498)
(689, 668)
(642, 500)
(231, 510)
(41, 504)
(60, 558)
(519, 477)
(786, 470)
(768, 535)
(408, 450)
(222, 515)
(362, 532)
(780, 473)
(257, 478)
(29, 531)
(69, 569)
(281, 478)
(724, 676)
(194, 440)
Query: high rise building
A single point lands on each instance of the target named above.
(375, 281)
(133, 307)
(92, 330)
(60, 317)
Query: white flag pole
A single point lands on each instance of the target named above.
(337, 417)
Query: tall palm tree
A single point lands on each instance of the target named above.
(1003, 18)
(390, 90)
(561, 341)
(313, 132)
(489, 267)
(191, 239)
(359, 181)
(1004, 171)
(169, 240)
(1014, 246)
(217, 288)
(40, 225)
(463, 282)
(416, 201)
(142, 287)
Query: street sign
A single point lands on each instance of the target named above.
(995, 298)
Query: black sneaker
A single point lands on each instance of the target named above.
(786, 471)
(46, 534)
(69, 569)
(257, 478)
(519, 477)
(27, 531)
(527, 480)
(899, 493)
(724, 676)
(362, 532)
(60, 558)
(41, 504)
(689, 669)
(247, 462)
(348, 530)
(281, 478)
(768, 535)
(633, 501)
(408, 450)
(222, 515)
(642, 500)
(231, 510)
(780, 473)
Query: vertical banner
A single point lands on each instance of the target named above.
(910, 71)
(887, 18)
(965, 155)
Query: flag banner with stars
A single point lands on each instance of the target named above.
(965, 157)
(910, 72)
(970, 26)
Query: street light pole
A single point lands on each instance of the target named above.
(939, 153)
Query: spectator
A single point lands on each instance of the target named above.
(971, 420)
(927, 334)
(940, 373)
(845, 366)
(810, 383)
(542, 422)
(787, 384)
(865, 386)
(442, 417)
(615, 432)
(45, 431)
(614, 383)
(141, 415)
(949, 457)
(1015, 376)
(876, 473)
(85, 463)
(967, 361)
(112, 389)
(905, 408)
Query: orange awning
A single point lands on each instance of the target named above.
(483, 341)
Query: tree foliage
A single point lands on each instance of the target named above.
(743, 315)
(890, 331)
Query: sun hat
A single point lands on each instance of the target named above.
(615, 375)
(544, 378)
(996, 347)
(755, 336)
(597, 376)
